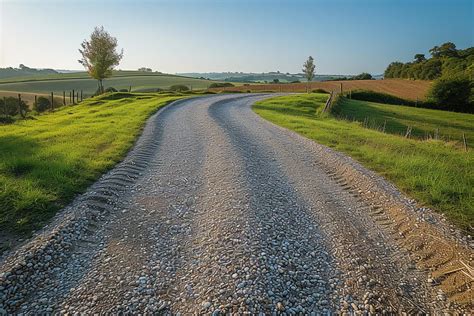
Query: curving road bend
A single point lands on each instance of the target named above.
(232, 214)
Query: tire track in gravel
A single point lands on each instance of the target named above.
(221, 212)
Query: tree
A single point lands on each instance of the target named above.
(420, 58)
(445, 50)
(308, 69)
(452, 94)
(99, 55)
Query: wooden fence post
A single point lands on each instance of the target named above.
(384, 125)
(341, 88)
(70, 97)
(73, 95)
(36, 100)
(81, 96)
(64, 97)
(77, 96)
(130, 89)
(436, 135)
(20, 110)
(5, 105)
(408, 133)
(52, 101)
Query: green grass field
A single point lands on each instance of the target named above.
(47, 160)
(424, 122)
(438, 174)
(58, 83)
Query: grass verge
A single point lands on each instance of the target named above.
(47, 160)
(438, 174)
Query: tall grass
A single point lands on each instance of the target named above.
(46, 161)
(438, 174)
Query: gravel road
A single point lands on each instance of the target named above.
(217, 211)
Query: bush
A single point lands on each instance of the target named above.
(179, 88)
(123, 90)
(10, 107)
(319, 91)
(220, 85)
(6, 120)
(378, 97)
(42, 104)
(362, 76)
(111, 89)
(454, 94)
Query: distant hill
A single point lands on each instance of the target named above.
(24, 71)
(257, 77)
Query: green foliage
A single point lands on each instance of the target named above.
(436, 173)
(319, 90)
(99, 55)
(9, 106)
(110, 89)
(362, 76)
(446, 61)
(44, 163)
(123, 90)
(178, 88)
(42, 104)
(309, 69)
(220, 85)
(454, 94)
(372, 96)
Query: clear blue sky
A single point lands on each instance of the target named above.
(344, 36)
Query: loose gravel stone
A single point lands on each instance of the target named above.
(216, 211)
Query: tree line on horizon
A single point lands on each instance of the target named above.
(445, 61)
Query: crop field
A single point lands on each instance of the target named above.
(45, 161)
(438, 174)
(406, 89)
(81, 81)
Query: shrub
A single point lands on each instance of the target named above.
(319, 90)
(452, 94)
(42, 104)
(362, 76)
(123, 90)
(371, 96)
(10, 107)
(111, 89)
(6, 120)
(179, 88)
(220, 85)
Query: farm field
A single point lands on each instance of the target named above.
(406, 89)
(81, 81)
(438, 174)
(45, 161)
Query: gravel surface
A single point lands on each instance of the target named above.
(216, 211)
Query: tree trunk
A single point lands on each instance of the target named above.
(101, 86)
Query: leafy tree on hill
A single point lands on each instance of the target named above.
(308, 69)
(100, 55)
(420, 58)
